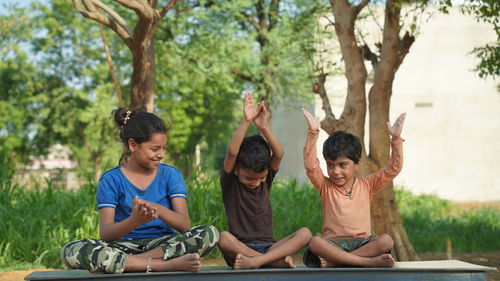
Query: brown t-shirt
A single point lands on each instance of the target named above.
(248, 211)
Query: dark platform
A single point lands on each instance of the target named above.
(446, 270)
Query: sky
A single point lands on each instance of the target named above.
(20, 3)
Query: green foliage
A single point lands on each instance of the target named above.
(487, 11)
(36, 223)
(429, 221)
(484, 11)
(55, 88)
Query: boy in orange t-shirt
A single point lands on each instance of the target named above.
(347, 238)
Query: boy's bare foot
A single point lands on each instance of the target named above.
(188, 262)
(325, 263)
(289, 262)
(384, 260)
(286, 262)
(243, 262)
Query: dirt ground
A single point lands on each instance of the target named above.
(487, 259)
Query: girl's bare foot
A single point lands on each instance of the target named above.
(188, 262)
(384, 260)
(286, 262)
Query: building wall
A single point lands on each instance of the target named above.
(452, 129)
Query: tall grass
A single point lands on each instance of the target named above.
(429, 221)
(36, 223)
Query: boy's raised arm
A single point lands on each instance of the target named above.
(249, 113)
(262, 123)
(311, 162)
(310, 158)
(395, 163)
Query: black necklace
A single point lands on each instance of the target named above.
(349, 194)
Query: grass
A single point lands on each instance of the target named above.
(36, 223)
(429, 221)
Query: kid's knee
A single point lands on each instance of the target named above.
(385, 243)
(226, 240)
(315, 243)
(305, 234)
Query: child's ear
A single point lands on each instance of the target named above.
(132, 144)
(357, 165)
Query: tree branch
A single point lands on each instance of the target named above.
(111, 67)
(92, 13)
(320, 89)
(252, 21)
(273, 14)
(370, 56)
(361, 5)
(404, 47)
(167, 8)
(131, 4)
(114, 15)
(261, 14)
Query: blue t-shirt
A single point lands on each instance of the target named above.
(116, 191)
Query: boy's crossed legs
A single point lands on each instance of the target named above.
(277, 255)
(374, 253)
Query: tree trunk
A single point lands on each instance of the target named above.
(143, 84)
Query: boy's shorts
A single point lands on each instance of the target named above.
(346, 244)
(259, 247)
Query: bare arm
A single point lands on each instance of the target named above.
(310, 159)
(382, 177)
(249, 113)
(311, 162)
(141, 213)
(178, 218)
(262, 123)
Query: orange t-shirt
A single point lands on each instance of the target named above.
(343, 217)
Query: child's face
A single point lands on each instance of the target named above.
(249, 178)
(150, 153)
(341, 170)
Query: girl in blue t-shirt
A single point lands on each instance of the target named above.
(142, 203)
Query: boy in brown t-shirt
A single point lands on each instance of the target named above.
(249, 170)
(345, 199)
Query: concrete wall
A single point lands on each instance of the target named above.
(452, 129)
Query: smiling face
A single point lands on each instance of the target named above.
(148, 155)
(249, 178)
(341, 170)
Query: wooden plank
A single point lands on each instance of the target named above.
(418, 271)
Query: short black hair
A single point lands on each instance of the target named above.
(342, 144)
(254, 154)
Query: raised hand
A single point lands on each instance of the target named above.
(249, 111)
(397, 127)
(312, 122)
(142, 211)
(261, 121)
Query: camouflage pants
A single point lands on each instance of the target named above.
(111, 257)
